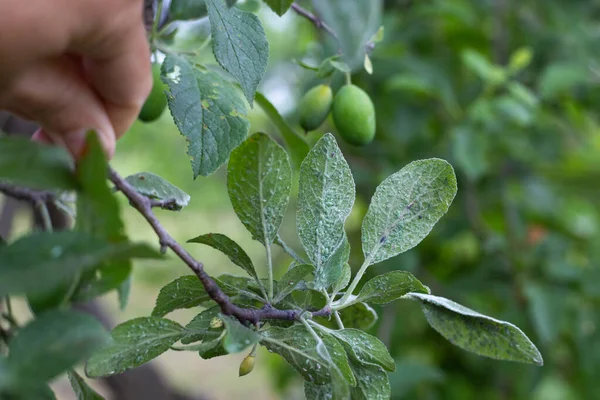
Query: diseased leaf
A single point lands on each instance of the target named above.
(200, 327)
(476, 332)
(135, 342)
(344, 279)
(239, 286)
(325, 198)
(280, 7)
(240, 45)
(371, 382)
(231, 249)
(359, 316)
(207, 110)
(388, 287)
(82, 390)
(289, 282)
(405, 207)
(35, 165)
(259, 180)
(52, 343)
(296, 145)
(42, 261)
(299, 349)
(184, 292)
(354, 22)
(157, 188)
(313, 391)
(237, 337)
(364, 348)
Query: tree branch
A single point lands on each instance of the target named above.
(144, 207)
(318, 22)
(35, 197)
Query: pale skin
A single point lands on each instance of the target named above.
(74, 65)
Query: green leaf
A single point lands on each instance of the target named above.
(185, 10)
(259, 179)
(280, 7)
(299, 348)
(364, 348)
(238, 337)
(42, 261)
(371, 382)
(290, 281)
(239, 286)
(476, 332)
(231, 249)
(487, 71)
(354, 22)
(344, 278)
(325, 198)
(31, 391)
(82, 390)
(35, 165)
(199, 328)
(405, 207)
(53, 343)
(471, 149)
(207, 110)
(184, 292)
(135, 342)
(240, 45)
(157, 188)
(123, 292)
(359, 316)
(389, 287)
(313, 391)
(296, 145)
(99, 215)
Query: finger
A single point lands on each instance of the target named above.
(57, 97)
(117, 65)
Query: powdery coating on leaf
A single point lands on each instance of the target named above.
(371, 382)
(405, 207)
(208, 112)
(199, 328)
(135, 342)
(240, 45)
(344, 278)
(359, 316)
(325, 198)
(291, 280)
(365, 348)
(476, 332)
(155, 187)
(259, 180)
(299, 349)
(391, 286)
(183, 292)
(231, 249)
(237, 336)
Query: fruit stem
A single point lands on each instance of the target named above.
(159, 9)
(348, 78)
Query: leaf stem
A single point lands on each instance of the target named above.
(45, 216)
(279, 241)
(269, 271)
(157, 16)
(355, 281)
(336, 315)
(318, 22)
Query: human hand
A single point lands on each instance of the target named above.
(74, 65)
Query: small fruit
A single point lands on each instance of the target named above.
(354, 115)
(314, 107)
(247, 365)
(157, 101)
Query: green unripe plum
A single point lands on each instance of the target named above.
(157, 101)
(354, 115)
(314, 107)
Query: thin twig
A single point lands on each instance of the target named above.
(318, 22)
(35, 197)
(144, 207)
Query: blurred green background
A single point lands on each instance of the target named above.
(507, 92)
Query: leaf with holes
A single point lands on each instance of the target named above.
(259, 180)
(325, 198)
(476, 332)
(405, 207)
(240, 45)
(207, 110)
(157, 188)
(134, 343)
